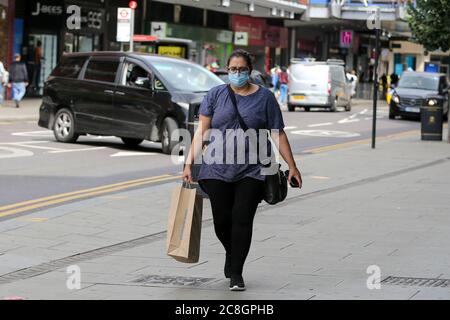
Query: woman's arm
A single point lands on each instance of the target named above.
(196, 147)
(280, 138)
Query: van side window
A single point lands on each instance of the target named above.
(69, 68)
(100, 70)
(135, 76)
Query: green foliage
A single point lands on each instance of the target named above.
(430, 23)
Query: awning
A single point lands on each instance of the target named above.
(262, 7)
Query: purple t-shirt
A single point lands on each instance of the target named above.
(259, 110)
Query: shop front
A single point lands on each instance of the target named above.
(4, 30)
(45, 29)
(208, 46)
(250, 36)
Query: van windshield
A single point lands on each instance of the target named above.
(187, 76)
(310, 73)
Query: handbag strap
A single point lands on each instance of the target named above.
(234, 101)
(242, 122)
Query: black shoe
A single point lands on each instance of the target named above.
(237, 283)
(17, 104)
(227, 268)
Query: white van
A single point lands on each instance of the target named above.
(318, 85)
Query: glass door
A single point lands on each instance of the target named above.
(42, 59)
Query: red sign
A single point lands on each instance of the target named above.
(144, 38)
(346, 38)
(277, 37)
(255, 28)
(133, 5)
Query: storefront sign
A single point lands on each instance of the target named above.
(123, 25)
(225, 36)
(241, 38)
(346, 38)
(159, 29)
(253, 26)
(178, 52)
(45, 9)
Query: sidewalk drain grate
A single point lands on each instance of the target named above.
(420, 282)
(174, 281)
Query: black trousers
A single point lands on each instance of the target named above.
(234, 206)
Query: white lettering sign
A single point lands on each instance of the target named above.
(46, 9)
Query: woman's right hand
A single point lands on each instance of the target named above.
(187, 174)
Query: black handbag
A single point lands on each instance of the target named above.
(275, 185)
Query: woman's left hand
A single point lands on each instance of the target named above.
(294, 173)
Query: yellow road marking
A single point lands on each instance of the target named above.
(85, 191)
(363, 141)
(80, 196)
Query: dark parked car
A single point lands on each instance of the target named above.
(419, 89)
(129, 95)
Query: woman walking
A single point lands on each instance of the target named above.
(235, 190)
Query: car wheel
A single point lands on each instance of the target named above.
(64, 126)
(167, 135)
(291, 108)
(132, 142)
(334, 104)
(307, 109)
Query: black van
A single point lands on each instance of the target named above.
(129, 95)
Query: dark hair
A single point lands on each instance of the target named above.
(244, 55)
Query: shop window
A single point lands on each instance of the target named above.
(104, 71)
(191, 15)
(69, 68)
(218, 20)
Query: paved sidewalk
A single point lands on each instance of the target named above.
(359, 207)
(28, 111)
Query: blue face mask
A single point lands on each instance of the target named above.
(239, 80)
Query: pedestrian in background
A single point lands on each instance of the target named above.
(275, 74)
(284, 80)
(3, 81)
(235, 190)
(38, 57)
(384, 85)
(18, 79)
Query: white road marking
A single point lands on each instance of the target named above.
(46, 133)
(25, 145)
(78, 150)
(348, 120)
(290, 128)
(132, 154)
(327, 133)
(364, 111)
(319, 177)
(14, 153)
(353, 116)
(320, 124)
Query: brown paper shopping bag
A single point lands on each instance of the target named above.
(185, 225)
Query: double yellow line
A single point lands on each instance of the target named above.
(362, 141)
(25, 206)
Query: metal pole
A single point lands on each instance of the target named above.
(132, 31)
(375, 80)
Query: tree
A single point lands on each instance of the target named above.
(430, 23)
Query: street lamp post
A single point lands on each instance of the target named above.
(133, 6)
(375, 80)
